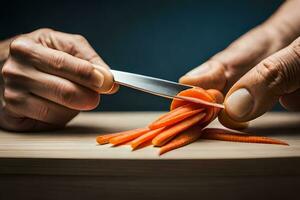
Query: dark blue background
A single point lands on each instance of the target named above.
(161, 38)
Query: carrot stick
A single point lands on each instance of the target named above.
(178, 111)
(226, 135)
(104, 139)
(130, 135)
(171, 120)
(144, 138)
(174, 130)
(185, 138)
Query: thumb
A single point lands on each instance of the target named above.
(258, 90)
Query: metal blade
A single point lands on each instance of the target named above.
(156, 86)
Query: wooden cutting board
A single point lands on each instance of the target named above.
(69, 164)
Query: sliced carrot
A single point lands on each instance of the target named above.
(174, 130)
(145, 137)
(143, 145)
(185, 138)
(173, 119)
(183, 125)
(196, 92)
(226, 135)
(130, 135)
(216, 95)
(178, 111)
(104, 139)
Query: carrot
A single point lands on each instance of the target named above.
(226, 135)
(175, 116)
(174, 130)
(146, 137)
(130, 135)
(196, 92)
(184, 124)
(185, 138)
(104, 139)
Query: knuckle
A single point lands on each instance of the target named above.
(79, 38)
(7, 70)
(58, 61)
(13, 97)
(10, 70)
(45, 30)
(274, 73)
(84, 71)
(18, 44)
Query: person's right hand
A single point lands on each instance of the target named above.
(50, 76)
(257, 70)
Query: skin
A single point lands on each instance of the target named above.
(48, 78)
(265, 62)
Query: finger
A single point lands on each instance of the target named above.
(79, 46)
(209, 75)
(73, 44)
(291, 101)
(56, 89)
(226, 121)
(30, 106)
(13, 122)
(62, 64)
(108, 85)
(226, 67)
(258, 90)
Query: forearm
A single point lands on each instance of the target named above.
(284, 24)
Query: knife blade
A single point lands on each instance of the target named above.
(156, 86)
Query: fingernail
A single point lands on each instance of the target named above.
(239, 104)
(198, 70)
(99, 78)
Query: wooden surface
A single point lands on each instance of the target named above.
(69, 164)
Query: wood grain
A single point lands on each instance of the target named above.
(68, 163)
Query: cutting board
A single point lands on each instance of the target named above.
(68, 163)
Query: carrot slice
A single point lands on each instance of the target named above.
(104, 139)
(146, 137)
(196, 92)
(174, 130)
(178, 111)
(185, 138)
(226, 135)
(171, 120)
(130, 135)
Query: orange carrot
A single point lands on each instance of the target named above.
(226, 135)
(180, 114)
(183, 125)
(130, 135)
(174, 130)
(185, 138)
(104, 139)
(196, 92)
(146, 137)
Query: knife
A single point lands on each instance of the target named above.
(156, 86)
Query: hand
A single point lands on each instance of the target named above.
(49, 77)
(256, 70)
